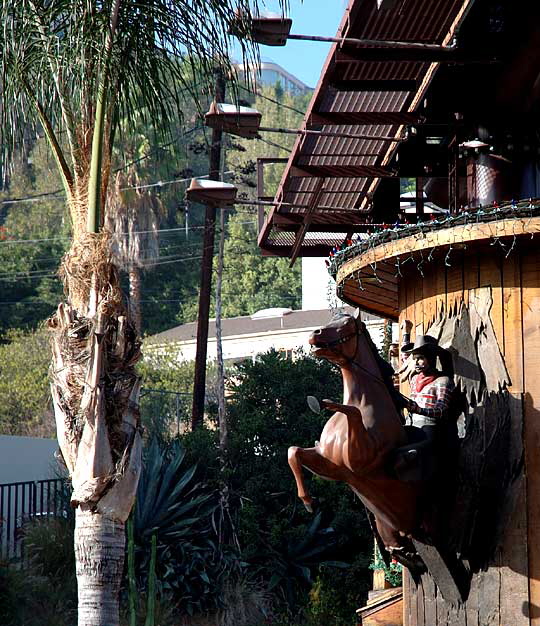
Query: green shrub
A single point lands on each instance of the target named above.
(268, 413)
(25, 406)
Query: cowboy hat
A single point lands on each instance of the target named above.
(422, 344)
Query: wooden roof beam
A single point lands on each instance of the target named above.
(364, 118)
(318, 227)
(340, 171)
(355, 54)
(373, 85)
(307, 221)
(267, 249)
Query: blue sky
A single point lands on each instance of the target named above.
(304, 59)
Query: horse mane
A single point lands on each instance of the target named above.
(386, 371)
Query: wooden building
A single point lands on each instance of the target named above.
(385, 608)
(442, 97)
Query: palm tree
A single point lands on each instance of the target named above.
(76, 68)
(132, 217)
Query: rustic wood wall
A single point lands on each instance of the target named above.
(508, 592)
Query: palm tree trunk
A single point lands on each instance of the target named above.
(134, 274)
(95, 393)
(99, 553)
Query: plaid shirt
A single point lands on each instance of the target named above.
(433, 400)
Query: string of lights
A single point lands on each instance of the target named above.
(386, 234)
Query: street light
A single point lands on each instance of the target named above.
(211, 192)
(269, 29)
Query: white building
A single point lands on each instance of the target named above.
(269, 73)
(245, 337)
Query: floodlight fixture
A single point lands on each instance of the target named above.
(272, 29)
(211, 192)
(268, 29)
(474, 143)
(233, 119)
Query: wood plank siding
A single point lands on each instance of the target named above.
(507, 593)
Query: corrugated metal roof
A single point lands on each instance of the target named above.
(330, 180)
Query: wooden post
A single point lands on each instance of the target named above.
(199, 383)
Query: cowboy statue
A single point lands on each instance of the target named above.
(431, 394)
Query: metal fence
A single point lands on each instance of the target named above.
(161, 411)
(23, 501)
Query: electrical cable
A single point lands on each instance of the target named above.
(272, 143)
(33, 274)
(280, 104)
(136, 232)
(158, 148)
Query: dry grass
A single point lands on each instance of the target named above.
(246, 604)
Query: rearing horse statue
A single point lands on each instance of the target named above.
(357, 440)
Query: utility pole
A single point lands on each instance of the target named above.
(222, 412)
(224, 523)
(199, 383)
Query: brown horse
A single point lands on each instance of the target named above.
(356, 441)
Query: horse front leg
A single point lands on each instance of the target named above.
(315, 462)
(360, 448)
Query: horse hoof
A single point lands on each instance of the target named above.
(308, 503)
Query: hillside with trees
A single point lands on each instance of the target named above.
(148, 186)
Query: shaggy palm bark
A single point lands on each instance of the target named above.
(132, 217)
(134, 275)
(95, 393)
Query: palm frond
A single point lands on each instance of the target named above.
(58, 47)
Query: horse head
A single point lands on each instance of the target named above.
(338, 340)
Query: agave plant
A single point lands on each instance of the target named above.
(172, 506)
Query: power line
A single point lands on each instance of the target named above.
(160, 183)
(158, 148)
(40, 196)
(280, 104)
(47, 274)
(272, 143)
(126, 234)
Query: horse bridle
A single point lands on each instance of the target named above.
(340, 340)
(336, 342)
(346, 338)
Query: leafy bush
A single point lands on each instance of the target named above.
(393, 573)
(280, 542)
(25, 407)
(44, 591)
